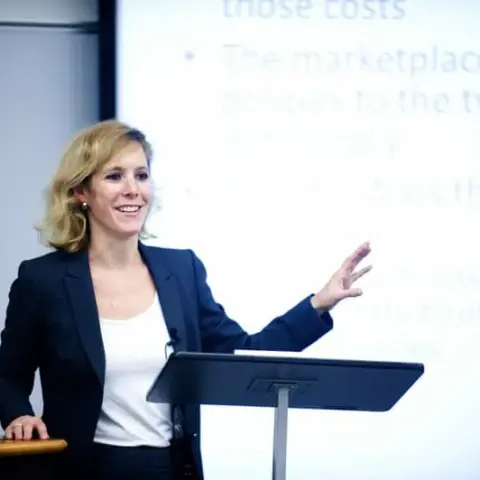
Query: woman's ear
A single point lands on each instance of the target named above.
(80, 194)
(80, 198)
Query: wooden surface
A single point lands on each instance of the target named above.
(10, 448)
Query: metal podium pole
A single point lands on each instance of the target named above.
(279, 469)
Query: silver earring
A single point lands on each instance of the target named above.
(84, 206)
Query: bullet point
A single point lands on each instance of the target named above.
(189, 56)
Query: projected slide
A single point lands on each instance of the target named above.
(285, 133)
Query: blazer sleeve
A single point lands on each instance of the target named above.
(294, 331)
(19, 348)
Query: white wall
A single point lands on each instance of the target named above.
(48, 90)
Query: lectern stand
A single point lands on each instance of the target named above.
(282, 383)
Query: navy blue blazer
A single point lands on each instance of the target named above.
(52, 324)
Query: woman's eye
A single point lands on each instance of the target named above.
(142, 176)
(113, 176)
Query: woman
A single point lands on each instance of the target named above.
(95, 314)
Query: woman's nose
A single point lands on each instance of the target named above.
(131, 186)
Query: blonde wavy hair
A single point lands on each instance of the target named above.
(65, 225)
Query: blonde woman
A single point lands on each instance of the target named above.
(94, 315)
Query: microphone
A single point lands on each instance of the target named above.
(170, 345)
(173, 336)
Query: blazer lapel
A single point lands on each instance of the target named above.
(81, 294)
(169, 296)
(80, 291)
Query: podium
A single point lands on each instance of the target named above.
(282, 383)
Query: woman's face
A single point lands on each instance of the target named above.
(119, 196)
